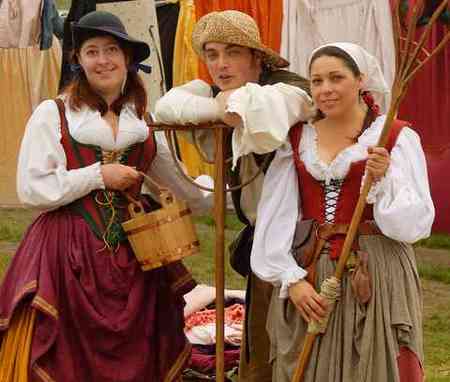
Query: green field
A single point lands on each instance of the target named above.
(434, 271)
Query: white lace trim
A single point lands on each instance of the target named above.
(340, 166)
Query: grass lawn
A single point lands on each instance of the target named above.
(435, 280)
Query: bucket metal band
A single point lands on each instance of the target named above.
(158, 223)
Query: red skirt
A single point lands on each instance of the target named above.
(99, 317)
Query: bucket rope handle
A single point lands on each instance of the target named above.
(151, 182)
(165, 195)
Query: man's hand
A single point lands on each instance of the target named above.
(231, 119)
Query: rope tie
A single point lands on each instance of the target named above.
(330, 291)
(113, 234)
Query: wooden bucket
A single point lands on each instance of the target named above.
(162, 236)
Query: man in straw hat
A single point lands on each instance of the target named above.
(250, 91)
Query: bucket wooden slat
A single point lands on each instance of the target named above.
(162, 236)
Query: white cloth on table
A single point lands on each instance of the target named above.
(203, 295)
(402, 205)
(206, 334)
(43, 181)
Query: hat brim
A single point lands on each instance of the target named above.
(141, 49)
(233, 35)
(270, 57)
(273, 58)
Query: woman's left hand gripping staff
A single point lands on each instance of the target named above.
(311, 305)
(377, 162)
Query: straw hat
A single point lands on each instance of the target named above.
(232, 27)
(100, 23)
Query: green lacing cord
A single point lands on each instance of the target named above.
(114, 233)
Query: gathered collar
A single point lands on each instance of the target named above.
(340, 165)
(88, 127)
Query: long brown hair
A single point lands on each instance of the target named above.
(80, 92)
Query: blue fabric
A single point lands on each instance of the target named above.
(52, 23)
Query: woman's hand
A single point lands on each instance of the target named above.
(118, 176)
(377, 162)
(311, 305)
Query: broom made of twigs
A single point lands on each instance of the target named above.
(410, 58)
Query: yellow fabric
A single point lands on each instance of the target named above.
(185, 69)
(31, 75)
(16, 346)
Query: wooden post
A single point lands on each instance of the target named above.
(219, 216)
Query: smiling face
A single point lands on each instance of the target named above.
(231, 66)
(334, 86)
(104, 63)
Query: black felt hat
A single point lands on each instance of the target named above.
(100, 23)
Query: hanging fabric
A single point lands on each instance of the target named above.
(51, 24)
(185, 60)
(33, 76)
(426, 106)
(185, 69)
(309, 24)
(167, 15)
(20, 25)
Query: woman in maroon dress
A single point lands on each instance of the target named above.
(74, 304)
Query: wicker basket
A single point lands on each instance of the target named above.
(162, 236)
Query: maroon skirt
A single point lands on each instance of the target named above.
(99, 317)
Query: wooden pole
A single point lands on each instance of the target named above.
(219, 215)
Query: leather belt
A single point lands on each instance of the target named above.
(327, 230)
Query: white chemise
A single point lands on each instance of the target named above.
(43, 181)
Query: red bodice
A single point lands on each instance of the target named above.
(312, 192)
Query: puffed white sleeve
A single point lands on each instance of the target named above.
(189, 103)
(43, 181)
(403, 208)
(164, 171)
(278, 211)
(267, 113)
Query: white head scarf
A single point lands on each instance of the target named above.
(373, 79)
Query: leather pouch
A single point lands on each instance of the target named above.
(305, 242)
(360, 279)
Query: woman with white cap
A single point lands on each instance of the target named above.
(75, 304)
(375, 330)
